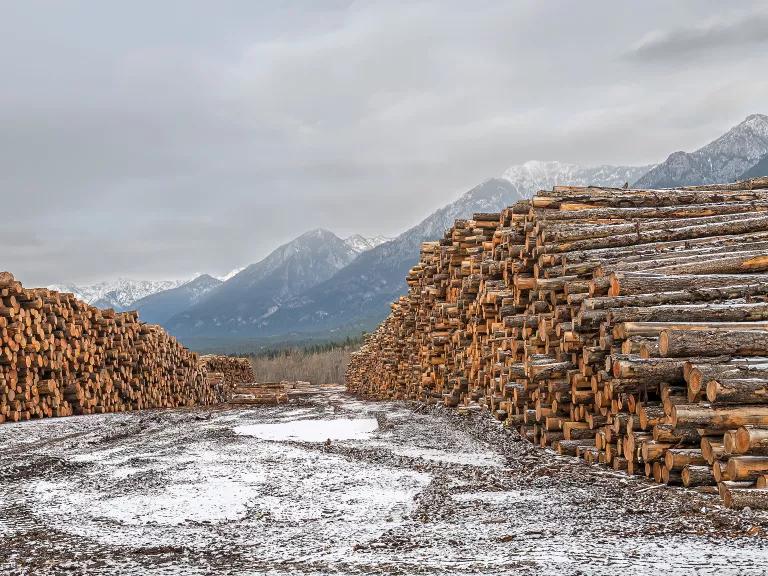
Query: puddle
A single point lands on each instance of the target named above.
(312, 430)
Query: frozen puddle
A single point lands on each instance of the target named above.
(312, 430)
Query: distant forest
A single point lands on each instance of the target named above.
(319, 363)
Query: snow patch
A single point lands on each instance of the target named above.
(311, 430)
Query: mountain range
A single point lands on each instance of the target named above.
(163, 305)
(118, 294)
(358, 296)
(319, 285)
(725, 159)
(244, 304)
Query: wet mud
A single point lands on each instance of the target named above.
(330, 484)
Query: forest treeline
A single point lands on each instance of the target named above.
(323, 363)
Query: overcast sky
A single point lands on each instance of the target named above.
(158, 139)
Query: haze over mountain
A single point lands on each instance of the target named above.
(357, 294)
(118, 294)
(157, 308)
(322, 285)
(759, 169)
(723, 160)
(244, 303)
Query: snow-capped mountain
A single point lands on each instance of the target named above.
(358, 296)
(231, 274)
(159, 307)
(360, 243)
(722, 160)
(244, 302)
(118, 294)
(537, 175)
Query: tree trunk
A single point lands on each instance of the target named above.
(688, 296)
(679, 343)
(747, 467)
(629, 284)
(731, 312)
(745, 498)
(697, 476)
(752, 440)
(730, 418)
(738, 391)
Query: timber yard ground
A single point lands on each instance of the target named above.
(398, 489)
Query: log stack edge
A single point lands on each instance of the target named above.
(626, 327)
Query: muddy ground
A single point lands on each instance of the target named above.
(397, 490)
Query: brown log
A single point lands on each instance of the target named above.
(725, 418)
(738, 391)
(752, 439)
(688, 296)
(745, 497)
(697, 476)
(679, 458)
(624, 284)
(692, 313)
(747, 467)
(680, 343)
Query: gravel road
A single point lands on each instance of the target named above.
(329, 484)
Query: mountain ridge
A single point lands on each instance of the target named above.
(759, 169)
(118, 294)
(159, 307)
(246, 300)
(724, 159)
(358, 296)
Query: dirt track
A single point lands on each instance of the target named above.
(201, 492)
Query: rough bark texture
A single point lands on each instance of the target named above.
(590, 313)
(681, 343)
(59, 356)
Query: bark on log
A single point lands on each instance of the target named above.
(628, 284)
(680, 343)
(721, 418)
(745, 497)
(738, 391)
(697, 476)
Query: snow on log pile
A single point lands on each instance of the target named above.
(59, 356)
(626, 327)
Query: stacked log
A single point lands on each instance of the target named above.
(235, 370)
(59, 356)
(262, 393)
(626, 327)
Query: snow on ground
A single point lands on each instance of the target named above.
(396, 491)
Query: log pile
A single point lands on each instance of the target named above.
(626, 327)
(59, 357)
(235, 370)
(266, 393)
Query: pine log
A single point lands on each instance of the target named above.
(745, 497)
(697, 476)
(677, 343)
(625, 284)
(721, 418)
(753, 440)
(738, 391)
(747, 467)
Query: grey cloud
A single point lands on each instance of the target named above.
(708, 40)
(161, 139)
